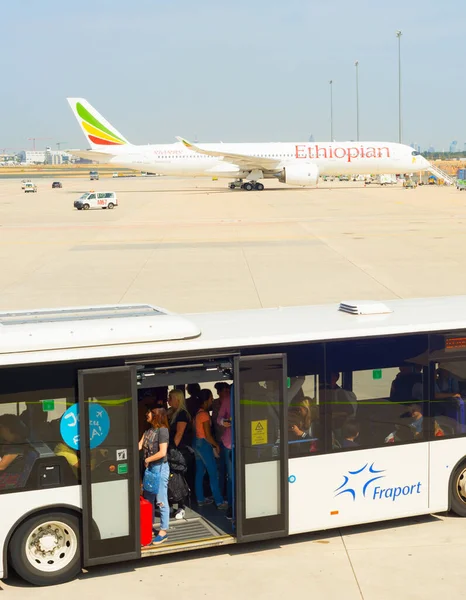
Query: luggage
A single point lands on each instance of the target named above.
(145, 518)
(178, 490)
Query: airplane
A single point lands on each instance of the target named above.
(298, 164)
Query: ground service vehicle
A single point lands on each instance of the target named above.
(461, 179)
(381, 385)
(93, 175)
(57, 184)
(96, 200)
(30, 187)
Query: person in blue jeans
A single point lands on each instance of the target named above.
(224, 420)
(154, 444)
(204, 448)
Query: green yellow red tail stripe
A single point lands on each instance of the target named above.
(97, 132)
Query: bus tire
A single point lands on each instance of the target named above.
(46, 548)
(458, 490)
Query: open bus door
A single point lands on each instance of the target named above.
(109, 464)
(261, 447)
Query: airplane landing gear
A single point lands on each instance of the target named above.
(248, 185)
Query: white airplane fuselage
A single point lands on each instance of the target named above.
(336, 158)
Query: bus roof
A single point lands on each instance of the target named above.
(97, 335)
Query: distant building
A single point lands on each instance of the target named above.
(56, 157)
(47, 157)
(31, 157)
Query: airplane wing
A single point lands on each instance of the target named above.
(100, 157)
(242, 160)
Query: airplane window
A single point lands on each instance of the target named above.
(415, 153)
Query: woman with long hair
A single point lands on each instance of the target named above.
(181, 438)
(154, 444)
(204, 450)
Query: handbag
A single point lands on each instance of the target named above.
(151, 480)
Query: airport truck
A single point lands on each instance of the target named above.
(461, 179)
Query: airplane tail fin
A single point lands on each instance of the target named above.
(100, 134)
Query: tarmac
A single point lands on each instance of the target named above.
(193, 245)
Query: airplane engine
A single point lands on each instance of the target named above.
(304, 174)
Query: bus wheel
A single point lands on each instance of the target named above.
(46, 549)
(458, 491)
(86, 206)
(110, 205)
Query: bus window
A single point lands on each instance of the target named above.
(32, 406)
(447, 385)
(375, 391)
(305, 416)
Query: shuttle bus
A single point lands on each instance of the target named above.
(342, 414)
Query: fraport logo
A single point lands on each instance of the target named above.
(361, 483)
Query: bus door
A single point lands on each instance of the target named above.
(108, 447)
(261, 447)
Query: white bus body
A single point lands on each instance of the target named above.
(386, 439)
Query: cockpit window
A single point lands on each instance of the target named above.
(415, 153)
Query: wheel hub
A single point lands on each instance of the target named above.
(48, 541)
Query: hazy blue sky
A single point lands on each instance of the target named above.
(233, 71)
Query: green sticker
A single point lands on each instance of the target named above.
(123, 469)
(48, 405)
(288, 382)
(377, 374)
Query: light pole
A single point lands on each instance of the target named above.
(356, 64)
(331, 110)
(398, 35)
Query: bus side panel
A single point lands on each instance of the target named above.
(359, 486)
(444, 456)
(14, 507)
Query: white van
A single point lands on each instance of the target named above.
(96, 200)
(30, 187)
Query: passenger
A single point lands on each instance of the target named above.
(154, 443)
(343, 402)
(417, 419)
(223, 391)
(446, 383)
(205, 447)
(192, 401)
(349, 433)
(13, 451)
(181, 438)
(13, 443)
(224, 420)
(409, 378)
(146, 402)
(307, 417)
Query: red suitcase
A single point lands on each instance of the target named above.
(145, 518)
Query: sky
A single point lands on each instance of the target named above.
(249, 70)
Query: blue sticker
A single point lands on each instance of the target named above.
(291, 478)
(99, 426)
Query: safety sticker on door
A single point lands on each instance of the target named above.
(122, 454)
(258, 432)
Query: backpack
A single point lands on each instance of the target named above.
(176, 461)
(178, 489)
